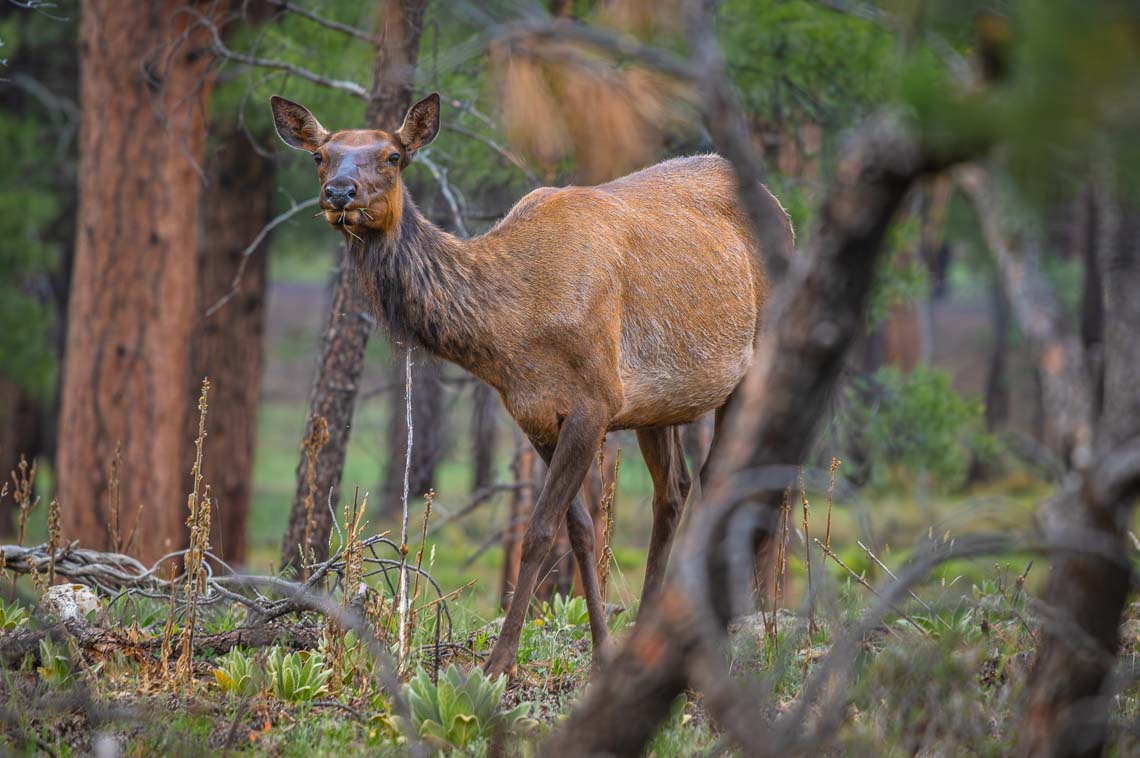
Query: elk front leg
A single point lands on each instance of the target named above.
(578, 440)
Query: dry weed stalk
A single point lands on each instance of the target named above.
(198, 521)
(863, 581)
(37, 581)
(24, 481)
(835, 464)
(607, 502)
(335, 644)
(115, 506)
(429, 499)
(812, 628)
(780, 578)
(168, 631)
(891, 574)
(53, 538)
(312, 445)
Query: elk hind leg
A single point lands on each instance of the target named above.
(665, 458)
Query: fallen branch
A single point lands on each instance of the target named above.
(14, 646)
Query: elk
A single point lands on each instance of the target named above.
(629, 305)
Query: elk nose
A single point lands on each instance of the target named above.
(340, 193)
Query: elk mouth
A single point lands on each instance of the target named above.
(348, 217)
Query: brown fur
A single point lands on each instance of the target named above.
(630, 305)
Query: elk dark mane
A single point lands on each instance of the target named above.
(424, 286)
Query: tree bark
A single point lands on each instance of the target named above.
(518, 515)
(227, 345)
(349, 326)
(997, 380)
(144, 86)
(484, 435)
(333, 398)
(20, 434)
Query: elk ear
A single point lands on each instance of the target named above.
(421, 124)
(296, 126)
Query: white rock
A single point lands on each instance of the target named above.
(69, 602)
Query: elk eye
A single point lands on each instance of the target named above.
(317, 158)
(394, 158)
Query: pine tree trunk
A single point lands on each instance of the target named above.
(144, 86)
(333, 394)
(227, 345)
(20, 427)
(484, 433)
(518, 515)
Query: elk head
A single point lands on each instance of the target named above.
(359, 169)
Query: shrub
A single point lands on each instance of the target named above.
(914, 424)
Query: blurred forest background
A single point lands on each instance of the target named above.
(940, 399)
(154, 231)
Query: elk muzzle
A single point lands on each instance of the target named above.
(339, 193)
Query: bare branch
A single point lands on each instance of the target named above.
(440, 175)
(328, 23)
(220, 49)
(508, 154)
(235, 286)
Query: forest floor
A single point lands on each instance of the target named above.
(940, 675)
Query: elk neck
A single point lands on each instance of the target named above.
(429, 288)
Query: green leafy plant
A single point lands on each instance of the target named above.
(237, 673)
(57, 665)
(564, 613)
(229, 619)
(297, 677)
(460, 710)
(916, 422)
(13, 617)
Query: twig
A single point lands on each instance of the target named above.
(440, 175)
(857, 577)
(891, 574)
(504, 152)
(328, 23)
(235, 285)
(480, 496)
(220, 49)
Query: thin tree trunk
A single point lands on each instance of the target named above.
(143, 96)
(349, 326)
(484, 434)
(518, 515)
(227, 346)
(20, 435)
(997, 380)
(1092, 299)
